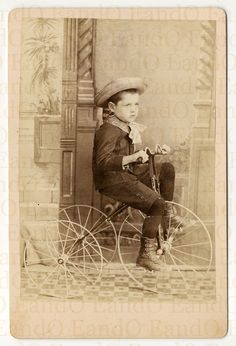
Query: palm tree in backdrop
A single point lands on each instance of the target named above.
(41, 49)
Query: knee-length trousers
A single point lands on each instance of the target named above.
(137, 191)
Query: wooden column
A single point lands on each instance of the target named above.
(202, 154)
(86, 117)
(69, 107)
(78, 113)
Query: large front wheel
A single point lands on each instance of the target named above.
(186, 253)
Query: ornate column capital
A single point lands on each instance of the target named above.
(85, 63)
(204, 104)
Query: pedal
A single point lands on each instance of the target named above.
(159, 252)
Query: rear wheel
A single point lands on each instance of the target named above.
(67, 257)
(97, 223)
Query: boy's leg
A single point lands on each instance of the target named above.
(133, 193)
(140, 196)
(167, 184)
(167, 181)
(150, 242)
(166, 177)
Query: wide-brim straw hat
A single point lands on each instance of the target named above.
(118, 85)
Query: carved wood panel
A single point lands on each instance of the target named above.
(84, 145)
(47, 139)
(204, 105)
(78, 124)
(202, 198)
(86, 122)
(202, 161)
(68, 157)
(69, 106)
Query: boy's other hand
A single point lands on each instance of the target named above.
(162, 150)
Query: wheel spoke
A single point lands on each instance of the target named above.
(179, 271)
(53, 246)
(129, 238)
(182, 221)
(71, 249)
(102, 247)
(79, 217)
(72, 277)
(92, 259)
(60, 236)
(105, 248)
(57, 280)
(100, 254)
(83, 251)
(82, 256)
(79, 249)
(96, 223)
(132, 225)
(85, 225)
(38, 261)
(187, 266)
(168, 230)
(70, 227)
(194, 244)
(179, 238)
(101, 230)
(69, 220)
(67, 287)
(50, 274)
(79, 271)
(85, 266)
(72, 246)
(68, 248)
(189, 254)
(68, 236)
(101, 238)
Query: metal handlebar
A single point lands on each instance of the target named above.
(158, 151)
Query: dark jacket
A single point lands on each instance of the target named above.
(110, 145)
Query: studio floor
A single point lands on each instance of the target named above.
(116, 285)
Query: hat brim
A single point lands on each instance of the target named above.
(118, 85)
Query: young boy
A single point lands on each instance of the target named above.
(116, 171)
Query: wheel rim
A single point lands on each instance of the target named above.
(67, 258)
(187, 257)
(90, 217)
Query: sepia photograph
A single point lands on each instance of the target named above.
(121, 131)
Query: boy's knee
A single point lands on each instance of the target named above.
(157, 207)
(168, 169)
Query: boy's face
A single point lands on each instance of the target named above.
(127, 108)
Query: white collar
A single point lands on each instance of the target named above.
(133, 129)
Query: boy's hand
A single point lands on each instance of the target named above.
(141, 156)
(163, 150)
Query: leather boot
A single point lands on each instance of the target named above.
(148, 257)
